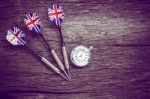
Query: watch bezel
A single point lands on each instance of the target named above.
(76, 48)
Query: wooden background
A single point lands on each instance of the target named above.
(119, 31)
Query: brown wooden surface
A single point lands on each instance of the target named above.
(119, 31)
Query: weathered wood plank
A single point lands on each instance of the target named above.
(118, 31)
(116, 69)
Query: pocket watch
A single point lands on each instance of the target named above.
(81, 55)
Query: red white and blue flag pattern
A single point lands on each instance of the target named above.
(56, 14)
(32, 22)
(16, 36)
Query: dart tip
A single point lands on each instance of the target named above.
(67, 75)
(69, 80)
(66, 78)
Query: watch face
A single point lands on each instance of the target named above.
(80, 56)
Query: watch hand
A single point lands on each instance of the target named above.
(80, 55)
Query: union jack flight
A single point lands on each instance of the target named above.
(56, 14)
(16, 36)
(32, 22)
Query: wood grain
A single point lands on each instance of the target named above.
(117, 29)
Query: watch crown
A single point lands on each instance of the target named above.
(91, 48)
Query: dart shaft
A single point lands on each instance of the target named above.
(53, 53)
(49, 47)
(61, 36)
(33, 51)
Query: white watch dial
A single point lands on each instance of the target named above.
(81, 56)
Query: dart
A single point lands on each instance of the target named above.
(33, 23)
(16, 37)
(56, 15)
